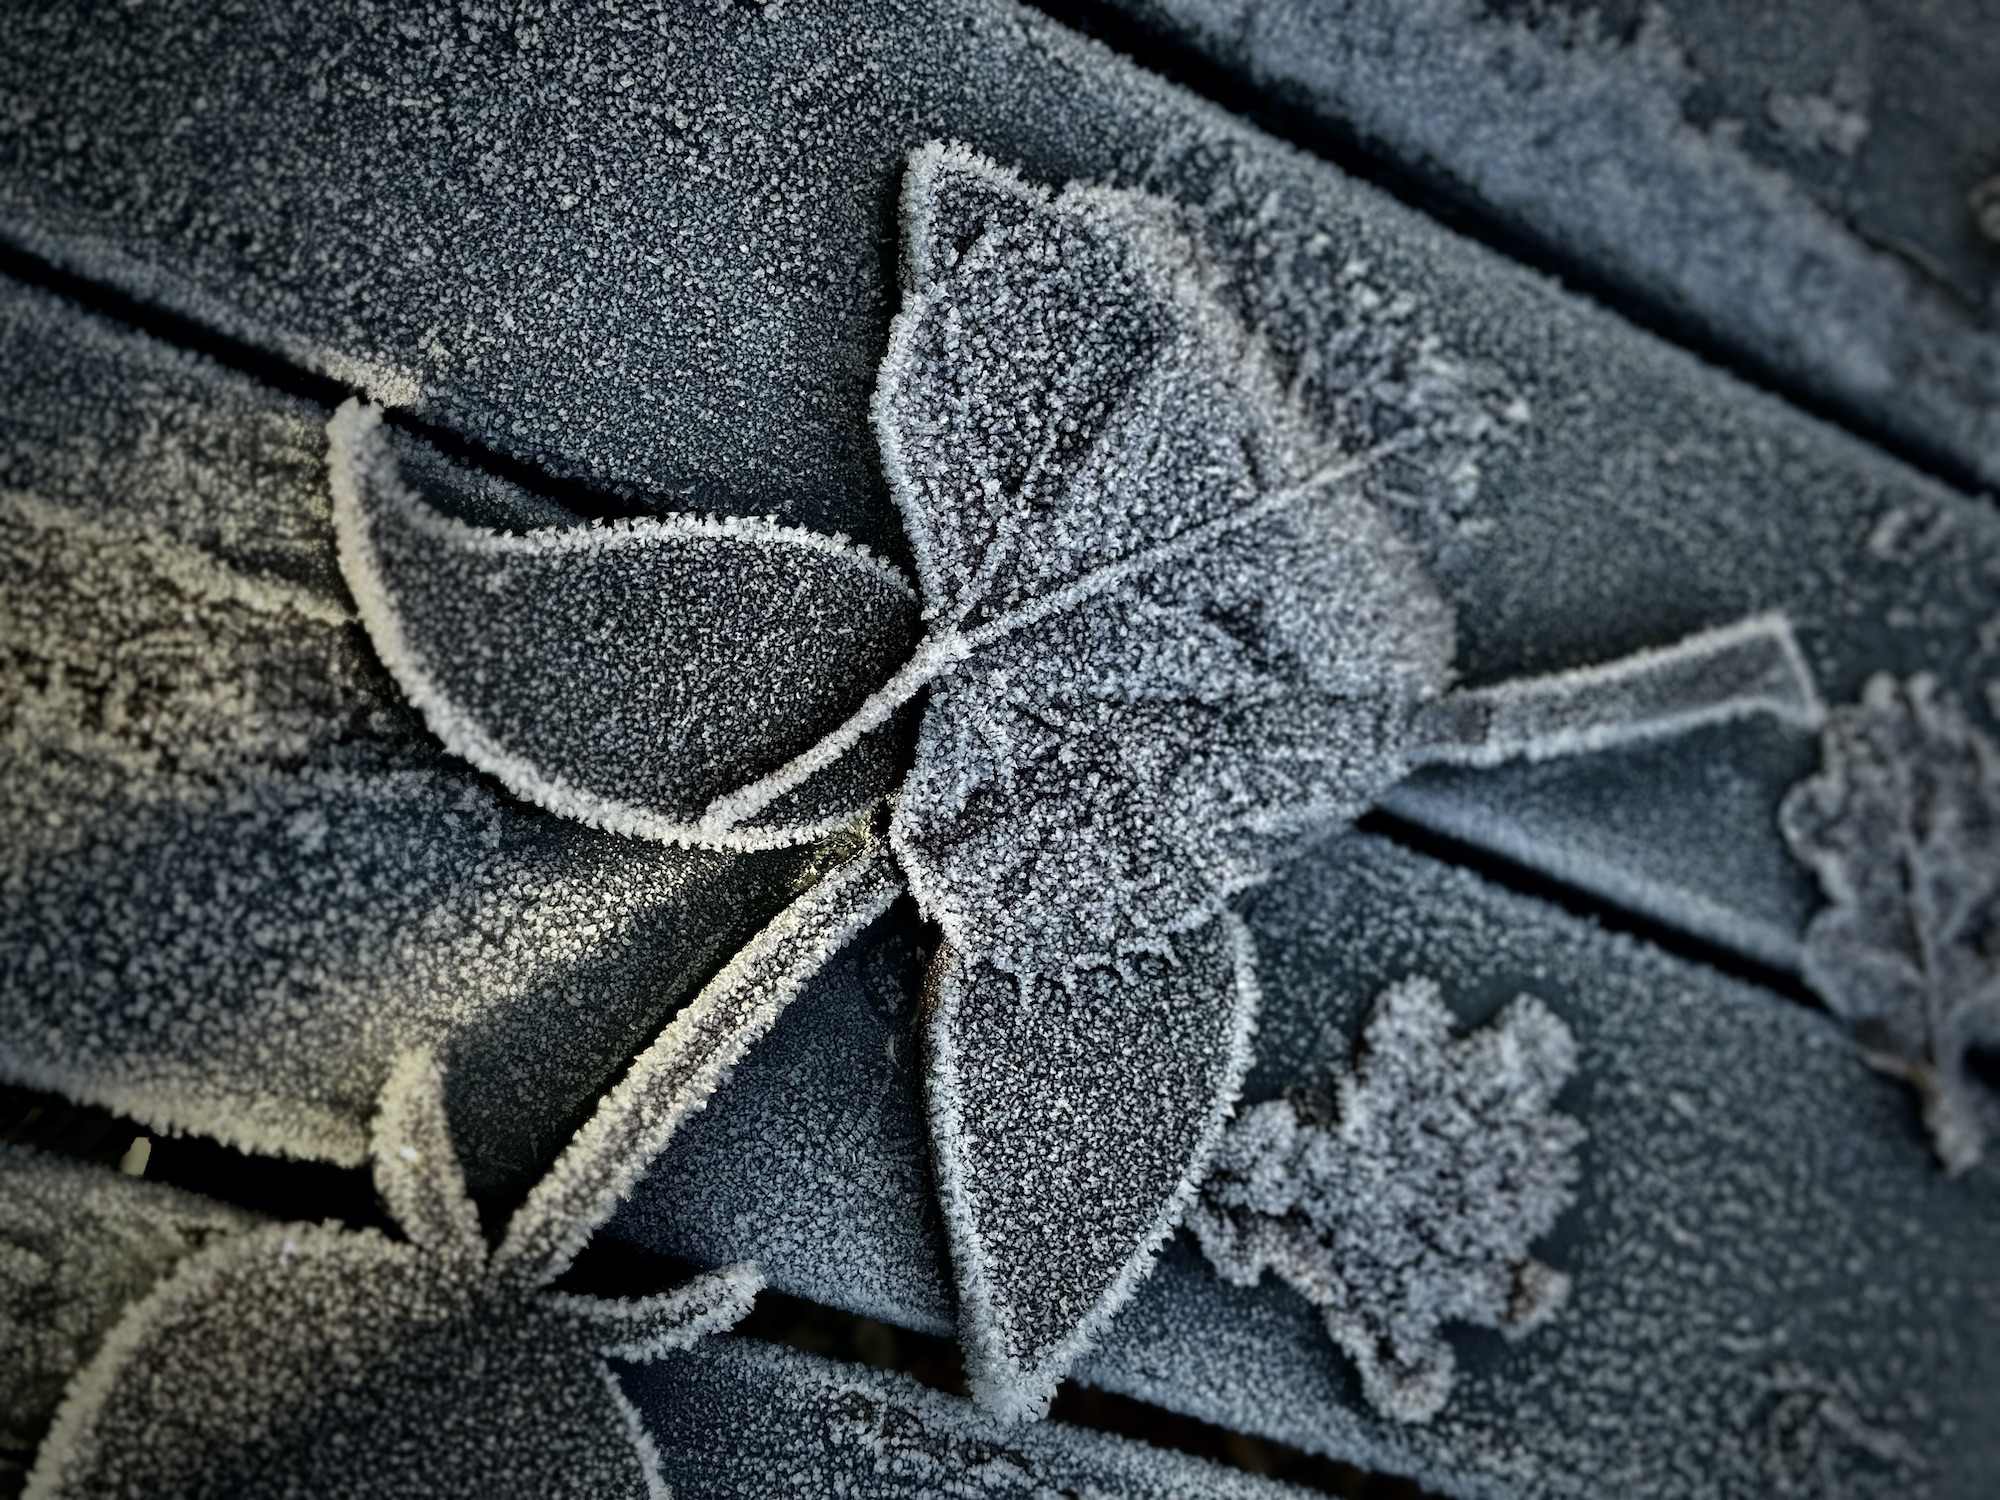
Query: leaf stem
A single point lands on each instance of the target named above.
(1753, 666)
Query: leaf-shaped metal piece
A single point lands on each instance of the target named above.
(1410, 1197)
(305, 1360)
(1064, 1121)
(1183, 636)
(1169, 637)
(1902, 827)
(625, 675)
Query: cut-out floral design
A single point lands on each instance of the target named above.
(1165, 637)
(1407, 1198)
(1902, 826)
(299, 1359)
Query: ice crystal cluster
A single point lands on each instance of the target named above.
(1902, 827)
(1165, 633)
(1182, 635)
(1408, 1197)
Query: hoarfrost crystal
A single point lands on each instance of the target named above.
(1409, 1198)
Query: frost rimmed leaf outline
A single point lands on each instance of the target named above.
(1901, 824)
(300, 1324)
(1164, 632)
(1408, 1195)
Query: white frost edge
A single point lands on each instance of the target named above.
(417, 1173)
(1571, 704)
(358, 462)
(643, 1447)
(999, 1385)
(920, 172)
(295, 1129)
(671, 1081)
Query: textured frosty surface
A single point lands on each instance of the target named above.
(625, 675)
(687, 314)
(1069, 1126)
(1793, 178)
(1773, 1289)
(77, 1244)
(293, 1351)
(673, 1078)
(1185, 635)
(290, 1353)
(826, 1182)
(1902, 827)
(1756, 1206)
(734, 1418)
(595, 239)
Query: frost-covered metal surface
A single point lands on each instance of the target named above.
(1794, 179)
(240, 878)
(1876, 568)
(300, 1358)
(237, 845)
(281, 1357)
(77, 1244)
(1773, 1288)
(627, 675)
(734, 1418)
(654, 289)
(1169, 636)
(825, 1182)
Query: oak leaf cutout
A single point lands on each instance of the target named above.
(1902, 826)
(1408, 1196)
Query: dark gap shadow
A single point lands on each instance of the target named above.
(277, 1187)
(591, 501)
(938, 1364)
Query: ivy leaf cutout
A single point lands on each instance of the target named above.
(1167, 636)
(303, 1359)
(1902, 827)
(625, 674)
(1409, 1197)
